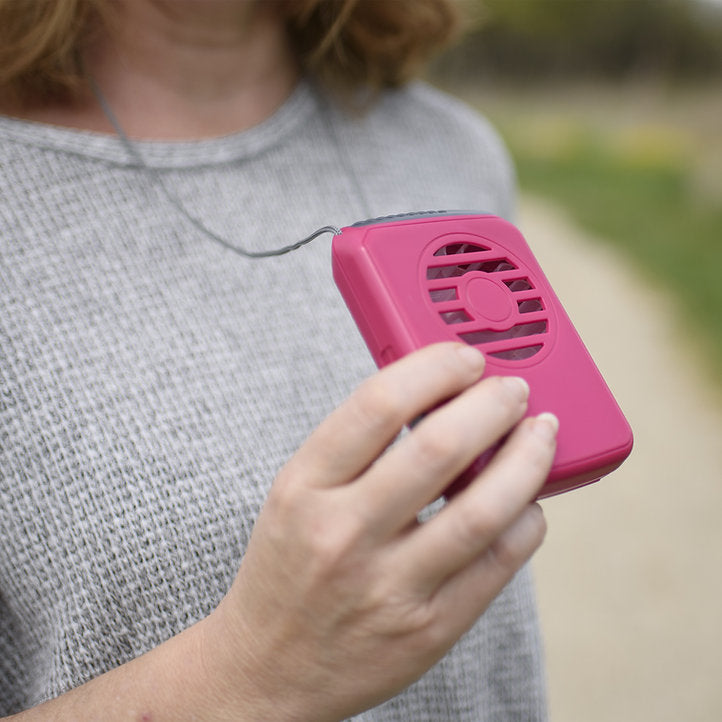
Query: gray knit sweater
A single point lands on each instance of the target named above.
(152, 382)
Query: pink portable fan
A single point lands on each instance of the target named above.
(415, 279)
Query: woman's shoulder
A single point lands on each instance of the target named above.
(443, 106)
(420, 131)
(426, 109)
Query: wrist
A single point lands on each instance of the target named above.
(250, 676)
(234, 673)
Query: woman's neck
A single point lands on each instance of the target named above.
(184, 69)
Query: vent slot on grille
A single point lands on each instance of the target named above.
(517, 285)
(531, 305)
(495, 265)
(452, 317)
(517, 354)
(521, 330)
(439, 295)
(453, 249)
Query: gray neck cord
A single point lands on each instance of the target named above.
(152, 173)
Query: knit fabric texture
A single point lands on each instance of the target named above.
(152, 383)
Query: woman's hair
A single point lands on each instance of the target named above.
(369, 43)
(347, 44)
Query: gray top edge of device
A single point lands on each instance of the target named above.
(416, 216)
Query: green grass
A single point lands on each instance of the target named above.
(648, 187)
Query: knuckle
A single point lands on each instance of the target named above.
(510, 397)
(401, 614)
(324, 547)
(510, 551)
(283, 498)
(475, 525)
(293, 479)
(436, 448)
(379, 404)
(332, 542)
(446, 356)
(324, 531)
(526, 456)
(425, 622)
(506, 554)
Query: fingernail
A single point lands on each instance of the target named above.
(517, 385)
(472, 357)
(546, 426)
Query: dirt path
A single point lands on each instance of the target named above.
(630, 576)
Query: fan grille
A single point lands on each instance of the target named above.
(505, 315)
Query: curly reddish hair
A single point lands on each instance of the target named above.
(347, 44)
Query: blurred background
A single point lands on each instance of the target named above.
(612, 110)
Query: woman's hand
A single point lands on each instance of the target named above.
(343, 598)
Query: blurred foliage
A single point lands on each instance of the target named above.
(610, 38)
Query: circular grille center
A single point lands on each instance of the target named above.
(488, 300)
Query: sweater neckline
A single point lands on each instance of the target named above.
(294, 111)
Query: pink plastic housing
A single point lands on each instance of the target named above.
(417, 279)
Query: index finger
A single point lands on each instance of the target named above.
(352, 437)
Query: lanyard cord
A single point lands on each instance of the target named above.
(155, 176)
